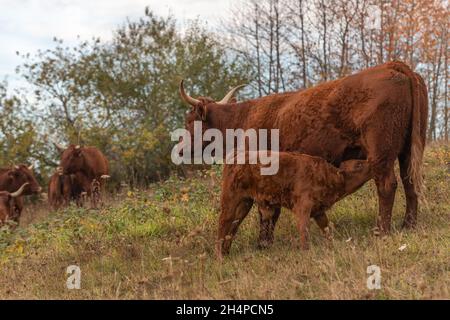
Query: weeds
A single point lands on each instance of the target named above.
(159, 244)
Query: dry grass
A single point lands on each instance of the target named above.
(158, 244)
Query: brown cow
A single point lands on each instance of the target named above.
(11, 205)
(64, 188)
(11, 179)
(15, 177)
(305, 184)
(379, 113)
(88, 160)
(88, 164)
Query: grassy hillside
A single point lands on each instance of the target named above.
(159, 244)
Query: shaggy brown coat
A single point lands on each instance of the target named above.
(11, 205)
(379, 113)
(88, 163)
(63, 188)
(305, 184)
(11, 179)
(88, 160)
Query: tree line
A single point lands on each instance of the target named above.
(292, 44)
(121, 95)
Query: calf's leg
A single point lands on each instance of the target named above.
(323, 223)
(233, 212)
(302, 212)
(267, 226)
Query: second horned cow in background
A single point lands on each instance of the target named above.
(88, 167)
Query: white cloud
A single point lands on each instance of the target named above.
(29, 25)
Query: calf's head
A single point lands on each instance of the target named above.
(17, 176)
(200, 110)
(355, 173)
(8, 207)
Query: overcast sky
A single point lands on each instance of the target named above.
(29, 25)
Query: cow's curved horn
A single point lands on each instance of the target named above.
(30, 167)
(77, 147)
(187, 98)
(19, 192)
(230, 94)
(59, 147)
(16, 167)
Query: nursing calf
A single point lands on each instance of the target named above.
(64, 188)
(305, 184)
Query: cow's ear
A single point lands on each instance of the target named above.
(201, 111)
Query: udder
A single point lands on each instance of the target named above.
(351, 152)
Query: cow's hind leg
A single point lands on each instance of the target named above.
(386, 186)
(381, 153)
(410, 219)
(267, 227)
(233, 212)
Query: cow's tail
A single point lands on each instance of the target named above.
(418, 126)
(418, 132)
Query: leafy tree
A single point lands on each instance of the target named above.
(16, 133)
(122, 95)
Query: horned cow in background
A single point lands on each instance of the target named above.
(11, 205)
(11, 179)
(14, 178)
(89, 166)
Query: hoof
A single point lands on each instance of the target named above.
(328, 233)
